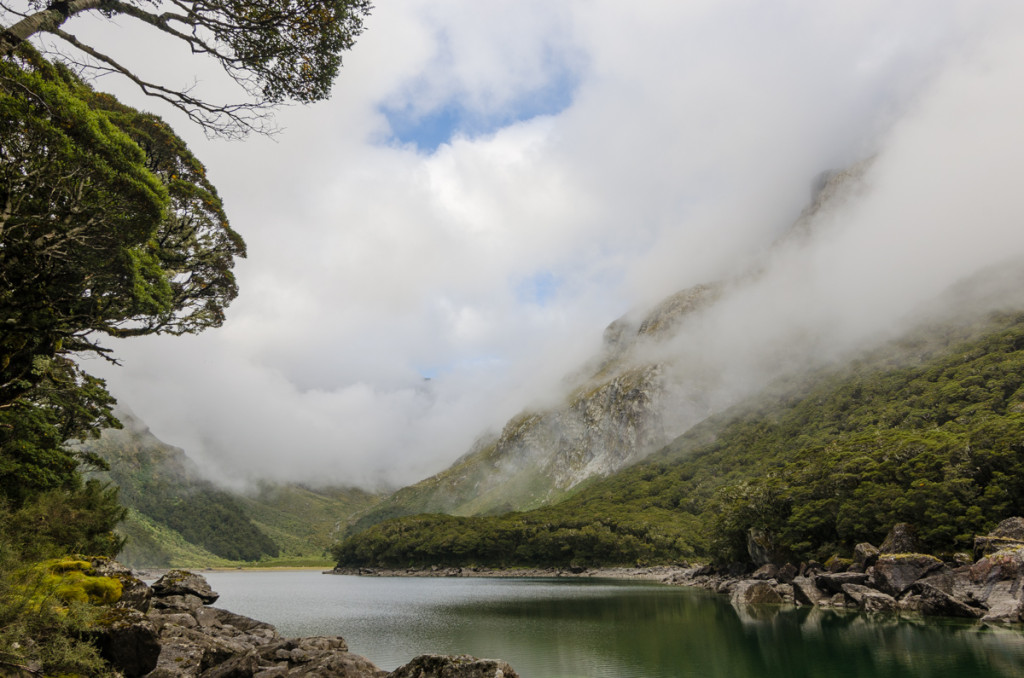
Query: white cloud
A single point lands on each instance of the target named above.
(691, 140)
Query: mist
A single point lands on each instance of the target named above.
(403, 297)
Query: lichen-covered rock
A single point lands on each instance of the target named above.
(184, 583)
(894, 574)
(865, 555)
(902, 538)
(462, 666)
(1011, 528)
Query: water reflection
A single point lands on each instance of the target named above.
(563, 629)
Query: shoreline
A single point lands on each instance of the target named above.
(665, 574)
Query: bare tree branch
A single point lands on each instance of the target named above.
(223, 120)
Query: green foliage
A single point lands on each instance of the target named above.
(930, 432)
(46, 611)
(108, 228)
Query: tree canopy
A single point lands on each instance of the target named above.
(108, 228)
(277, 50)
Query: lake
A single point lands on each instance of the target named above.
(580, 628)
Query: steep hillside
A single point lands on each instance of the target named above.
(178, 518)
(624, 407)
(928, 431)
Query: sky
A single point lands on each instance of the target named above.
(493, 182)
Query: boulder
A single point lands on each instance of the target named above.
(765, 572)
(128, 640)
(902, 538)
(755, 592)
(1011, 528)
(243, 665)
(868, 599)
(135, 593)
(806, 593)
(786, 573)
(986, 546)
(462, 666)
(894, 574)
(936, 602)
(339, 665)
(865, 555)
(184, 583)
(833, 582)
(997, 581)
(187, 603)
(178, 658)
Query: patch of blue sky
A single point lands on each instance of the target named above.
(430, 129)
(538, 289)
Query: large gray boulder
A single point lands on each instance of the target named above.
(462, 666)
(868, 599)
(932, 601)
(805, 592)
(865, 555)
(1007, 534)
(184, 583)
(997, 583)
(755, 592)
(894, 574)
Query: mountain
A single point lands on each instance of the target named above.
(927, 430)
(178, 518)
(628, 403)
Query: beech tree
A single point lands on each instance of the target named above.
(108, 228)
(277, 50)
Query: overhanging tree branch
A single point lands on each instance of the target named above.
(224, 120)
(276, 50)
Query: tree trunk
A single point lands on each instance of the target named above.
(44, 20)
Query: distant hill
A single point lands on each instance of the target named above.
(178, 518)
(928, 430)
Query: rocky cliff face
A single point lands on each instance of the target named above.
(626, 406)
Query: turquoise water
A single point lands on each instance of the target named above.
(570, 628)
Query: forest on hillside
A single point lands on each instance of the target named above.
(816, 467)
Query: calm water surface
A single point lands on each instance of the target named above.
(575, 628)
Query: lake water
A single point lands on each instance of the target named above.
(573, 628)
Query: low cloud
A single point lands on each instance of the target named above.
(690, 143)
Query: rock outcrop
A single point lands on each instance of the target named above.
(890, 580)
(174, 633)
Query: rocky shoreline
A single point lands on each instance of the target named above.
(894, 578)
(169, 630)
